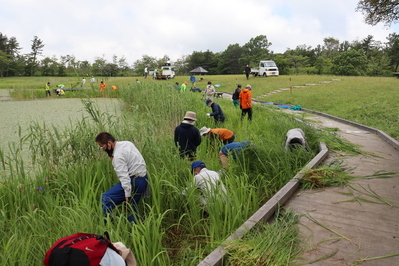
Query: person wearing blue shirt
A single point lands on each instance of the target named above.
(193, 79)
(231, 149)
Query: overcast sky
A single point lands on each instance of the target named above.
(88, 29)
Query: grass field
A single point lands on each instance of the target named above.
(371, 101)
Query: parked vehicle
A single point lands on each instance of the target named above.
(267, 68)
(166, 72)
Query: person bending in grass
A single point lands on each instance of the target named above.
(217, 112)
(208, 183)
(222, 134)
(131, 169)
(232, 149)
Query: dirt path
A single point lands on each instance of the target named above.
(354, 230)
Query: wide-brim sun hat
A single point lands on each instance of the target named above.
(204, 130)
(190, 116)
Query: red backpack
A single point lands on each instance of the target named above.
(79, 249)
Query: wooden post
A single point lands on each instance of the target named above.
(291, 85)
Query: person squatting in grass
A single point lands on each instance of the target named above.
(221, 134)
(208, 182)
(131, 169)
(187, 137)
(217, 111)
(246, 102)
(236, 96)
(232, 149)
(183, 87)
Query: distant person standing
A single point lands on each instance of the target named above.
(145, 72)
(209, 91)
(155, 73)
(92, 80)
(217, 112)
(187, 137)
(83, 82)
(47, 88)
(247, 71)
(246, 102)
(193, 79)
(236, 96)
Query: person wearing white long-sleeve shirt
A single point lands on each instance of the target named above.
(208, 182)
(130, 167)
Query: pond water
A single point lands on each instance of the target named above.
(55, 111)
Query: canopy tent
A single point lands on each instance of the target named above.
(198, 70)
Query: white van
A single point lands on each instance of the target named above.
(267, 68)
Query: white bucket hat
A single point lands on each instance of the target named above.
(204, 130)
(190, 116)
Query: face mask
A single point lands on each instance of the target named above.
(110, 152)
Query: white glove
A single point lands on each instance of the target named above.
(209, 115)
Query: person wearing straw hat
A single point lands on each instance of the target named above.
(208, 182)
(187, 137)
(224, 135)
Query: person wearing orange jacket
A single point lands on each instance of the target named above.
(246, 102)
(102, 86)
(224, 135)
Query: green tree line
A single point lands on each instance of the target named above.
(360, 57)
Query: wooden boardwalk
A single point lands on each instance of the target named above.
(347, 231)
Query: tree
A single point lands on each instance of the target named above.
(392, 48)
(376, 11)
(350, 63)
(147, 60)
(49, 67)
(255, 50)
(37, 49)
(229, 60)
(330, 47)
(207, 60)
(5, 62)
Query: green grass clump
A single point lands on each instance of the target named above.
(267, 244)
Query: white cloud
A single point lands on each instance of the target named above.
(130, 29)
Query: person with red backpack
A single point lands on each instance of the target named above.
(131, 170)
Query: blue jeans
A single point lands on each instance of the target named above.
(116, 195)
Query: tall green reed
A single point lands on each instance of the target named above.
(71, 173)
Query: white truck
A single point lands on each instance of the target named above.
(166, 72)
(267, 68)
